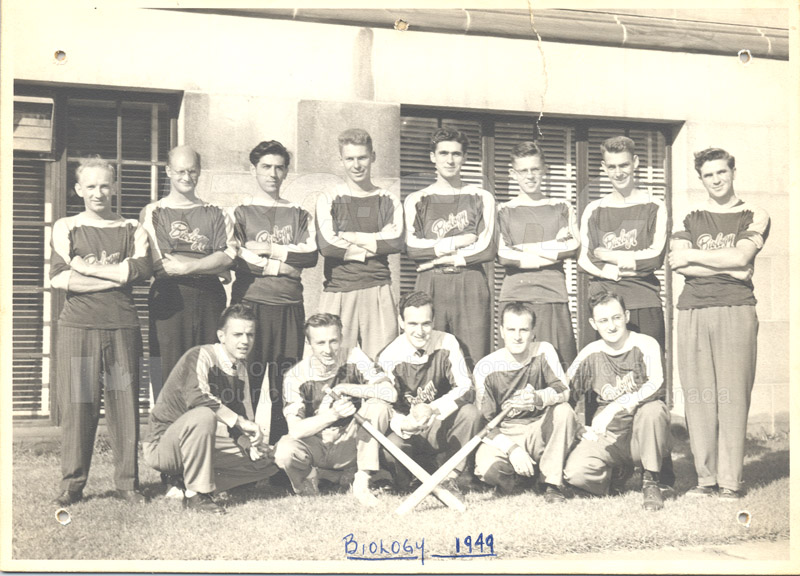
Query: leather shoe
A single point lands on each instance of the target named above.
(203, 503)
(68, 497)
(652, 498)
(129, 496)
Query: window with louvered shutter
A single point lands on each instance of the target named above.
(30, 359)
(563, 139)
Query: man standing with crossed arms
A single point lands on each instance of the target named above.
(623, 241)
(450, 234)
(715, 249)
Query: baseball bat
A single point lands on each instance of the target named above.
(445, 496)
(431, 483)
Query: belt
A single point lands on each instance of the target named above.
(450, 269)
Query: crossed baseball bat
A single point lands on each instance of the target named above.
(431, 484)
(445, 496)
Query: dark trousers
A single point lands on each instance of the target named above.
(277, 347)
(94, 363)
(462, 305)
(182, 315)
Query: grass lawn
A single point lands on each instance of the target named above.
(270, 526)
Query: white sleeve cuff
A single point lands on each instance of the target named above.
(272, 268)
(445, 407)
(356, 253)
(279, 252)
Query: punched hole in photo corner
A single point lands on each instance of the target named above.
(63, 517)
(400, 25)
(744, 518)
(60, 56)
(745, 57)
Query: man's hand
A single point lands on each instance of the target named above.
(175, 264)
(743, 274)
(525, 399)
(523, 464)
(343, 408)
(409, 425)
(678, 258)
(563, 234)
(289, 270)
(79, 265)
(601, 421)
(610, 272)
(449, 260)
(606, 255)
(251, 430)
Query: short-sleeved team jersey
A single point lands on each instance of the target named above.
(195, 232)
(290, 229)
(205, 376)
(638, 227)
(304, 383)
(377, 214)
(522, 222)
(634, 371)
(438, 212)
(710, 228)
(499, 378)
(109, 242)
(436, 375)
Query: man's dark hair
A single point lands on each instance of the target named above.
(710, 154)
(322, 320)
(449, 134)
(416, 299)
(520, 309)
(273, 147)
(236, 311)
(602, 297)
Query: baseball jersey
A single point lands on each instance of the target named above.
(500, 378)
(634, 225)
(119, 242)
(206, 376)
(440, 211)
(436, 375)
(195, 232)
(713, 228)
(290, 229)
(304, 383)
(548, 224)
(631, 375)
(378, 216)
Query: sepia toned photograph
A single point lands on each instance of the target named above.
(423, 289)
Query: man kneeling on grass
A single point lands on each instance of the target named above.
(322, 431)
(202, 425)
(631, 425)
(541, 426)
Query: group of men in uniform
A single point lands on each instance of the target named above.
(236, 398)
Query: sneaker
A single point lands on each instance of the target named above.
(702, 491)
(553, 495)
(203, 503)
(68, 497)
(361, 489)
(309, 486)
(728, 494)
(652, 499)
(175, 486)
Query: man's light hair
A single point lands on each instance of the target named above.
(322, 320)
(95, 162)
(355, 137)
